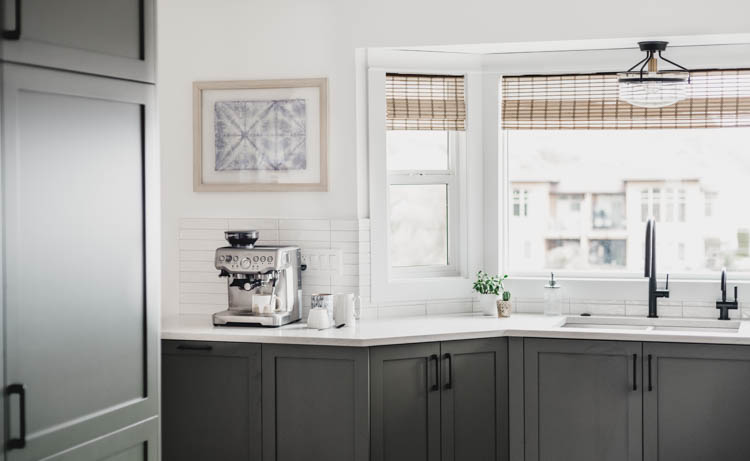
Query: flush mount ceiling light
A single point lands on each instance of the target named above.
(653, 88)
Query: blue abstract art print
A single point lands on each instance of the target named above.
(265, 135)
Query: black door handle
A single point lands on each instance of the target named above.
(436, 386)
(19, 389)
(635, 372)
(190, 347)
(15, 33)
(650, 387)
(449, 384)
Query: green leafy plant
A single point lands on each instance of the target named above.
(487, 284)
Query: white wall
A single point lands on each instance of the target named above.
(249, 39)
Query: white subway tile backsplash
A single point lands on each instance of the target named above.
(260, 225)
(344, 224)
(202, 291)
(344, 236)
(213, 288)
(301, 236)
(305, 224)
(441, 308)
(196, 255)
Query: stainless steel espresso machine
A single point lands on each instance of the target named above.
(264, 282)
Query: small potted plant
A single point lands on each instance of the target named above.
(495, 299)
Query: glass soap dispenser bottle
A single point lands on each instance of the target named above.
(553, 299)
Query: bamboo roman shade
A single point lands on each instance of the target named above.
(716, 99)
(425, 102)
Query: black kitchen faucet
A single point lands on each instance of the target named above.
(725, 305)
(650, 270)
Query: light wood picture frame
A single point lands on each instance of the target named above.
(260, 135)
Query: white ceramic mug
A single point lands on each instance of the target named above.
(345, 310)
(322, 301)
(264, 304)
(318, 319)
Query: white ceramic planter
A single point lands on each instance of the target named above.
(488, 304)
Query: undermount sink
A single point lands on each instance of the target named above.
(658, 324)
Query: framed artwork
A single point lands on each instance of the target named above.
(260, 135)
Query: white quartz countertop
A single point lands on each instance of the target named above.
(402, 330)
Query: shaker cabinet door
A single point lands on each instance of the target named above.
(697, 406)
(474, 400)
(583, 400)
(405, 402)
(315, 403)
(211, 397)
(81, 265)
(112, 38)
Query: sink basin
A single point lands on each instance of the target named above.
(658, 324)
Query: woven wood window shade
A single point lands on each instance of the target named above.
(425, 102)
(716, 99)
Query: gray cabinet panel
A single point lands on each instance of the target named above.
(405, 407)
(133, 443)
(81, 325)
(104, 37)
(474, 400)
(699, 406)
(315, 403)
(579, 400)
(211, 401)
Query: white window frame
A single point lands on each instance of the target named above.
(455, 179)
(404, 285)
(595, 56)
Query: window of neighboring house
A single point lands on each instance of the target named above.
(520, 202)
(708, 204)
(628, 164)
(424, 154)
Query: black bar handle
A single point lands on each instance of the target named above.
(449, 385)
(15, 33)
(436, 386)
(650, 386)
(191, 347)
(635, 372)
(19, 389)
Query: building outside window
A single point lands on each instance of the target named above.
(624, 169)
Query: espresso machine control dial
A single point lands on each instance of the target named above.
(245, 263)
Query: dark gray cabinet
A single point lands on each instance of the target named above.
(405, 402)
(82, 334)
(474, 400)
(697, 406)
(111, 38)
(438, 401)
(315, 403)
(211, 401)
(583, 400)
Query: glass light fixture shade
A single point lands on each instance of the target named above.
(653, 89)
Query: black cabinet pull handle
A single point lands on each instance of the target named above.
(650, 387)
(19, 389)
(15, 33)
(189, 347)
(635, 372)
(436, 386)
(449, 385)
